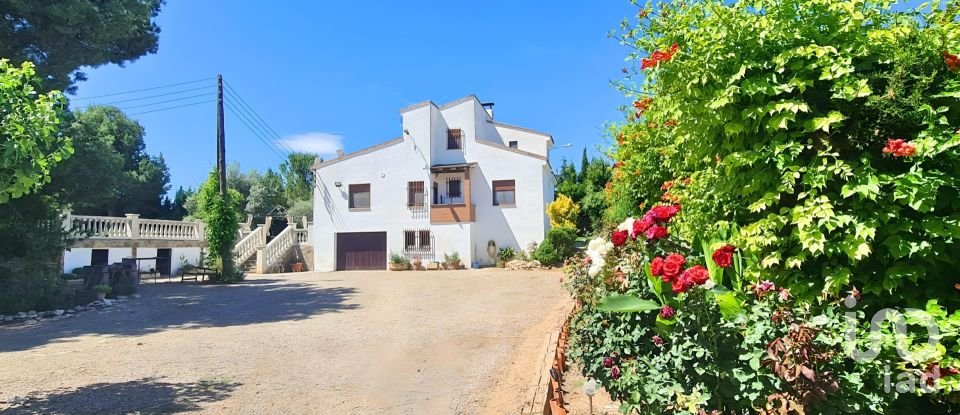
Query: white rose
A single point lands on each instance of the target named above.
(595, 266)
(627, 225)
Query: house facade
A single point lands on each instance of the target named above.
(454, 181)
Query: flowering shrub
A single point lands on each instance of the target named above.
(832, 145)
(814, 147)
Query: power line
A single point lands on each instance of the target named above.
(244, 103)
(243, 120)
(172, 108)
(166, 101)
(150, 96)
(261, 134)
(256, 118)
(141, 90)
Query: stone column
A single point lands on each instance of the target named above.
(133, 232)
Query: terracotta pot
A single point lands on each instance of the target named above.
(417, 266)
(455, 265)
(297, 267)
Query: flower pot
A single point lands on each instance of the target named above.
(501, 264)
(297, 267)
(398, 267)
(417, 266)
(101, 296)
(455, 265)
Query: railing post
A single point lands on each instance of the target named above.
(67, 220)
(133, 231)
(260, 260)
(266, 230)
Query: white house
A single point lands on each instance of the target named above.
(455, 180)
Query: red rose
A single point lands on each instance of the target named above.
(619, 237)
(641, 226)
(696, 274)
(723, 256)
(681, 285)
(673, 266)
(656, 266)
(656, 232)
(664, 212)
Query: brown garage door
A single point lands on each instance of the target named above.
(361, 251)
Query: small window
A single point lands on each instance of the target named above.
(415, 194)
(453, 188)
(99, 257)
(360, 196)
(504, 193)
(424, 239)
(454, 139)
(409, 240)
(513, 144)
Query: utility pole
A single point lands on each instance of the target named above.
(226, 256)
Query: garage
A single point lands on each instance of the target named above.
(361, 251)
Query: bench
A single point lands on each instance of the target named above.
(194, 272)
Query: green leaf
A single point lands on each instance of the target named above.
(824, 123)
(626, 304)
(730, 304)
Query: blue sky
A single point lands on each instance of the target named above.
(339, 72)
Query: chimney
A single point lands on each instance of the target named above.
(488, 106)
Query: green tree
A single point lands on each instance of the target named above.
(297, 172)
(111, 173)
(30, 140)
(584, 163)
(266, 193)
(221, 220)
(176, 209)
(62, 36)
(568, 182)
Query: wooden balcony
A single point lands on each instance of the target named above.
(457, 213)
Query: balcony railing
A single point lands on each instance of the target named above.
(453, 213)
(132, 227)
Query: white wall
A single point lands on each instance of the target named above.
(80, 257)
(526, 141)
(389, 169)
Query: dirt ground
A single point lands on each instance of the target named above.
(460, 342)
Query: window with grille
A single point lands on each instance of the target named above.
(453, 188)
(504, 193)
(415, 194)
(359, 196)
(424, 240)
(409, 240)
(454, 139)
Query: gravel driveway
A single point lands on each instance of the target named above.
(309, 343)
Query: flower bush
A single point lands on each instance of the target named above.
(787, 156)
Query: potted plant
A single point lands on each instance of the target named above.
(398, 262)
(452, 261)
(102, 291)
(296, 267)
(417, 263)
(505, 255)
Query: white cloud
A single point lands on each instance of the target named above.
(323, 144)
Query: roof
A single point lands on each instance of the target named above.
(441, 168)
(524, 129)
(511, 149)
(441, 107)
(320, 165)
